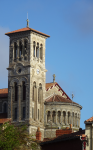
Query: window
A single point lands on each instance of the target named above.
(48, 116)
(39, 92)
(24, 112)
(34, 45)
(15, 50)
(25, 46)
(34, 86)
(5, 108)
(37, 50)
(15, 113)
(24, 91)
(16, 91)
(41, 49)
(59, 117)
(69, 117)
(38, 114)
(64, 117)
(20, 49)
(53, 116)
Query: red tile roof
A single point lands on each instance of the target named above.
(65, 137)
(50, 85)
(89, 120)
(3, 120)
(4, 92)
(26, 29)
(58, 98)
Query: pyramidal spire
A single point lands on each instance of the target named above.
(27, 21)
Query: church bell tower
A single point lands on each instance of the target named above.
(26, 77)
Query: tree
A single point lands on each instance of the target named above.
(16, 138)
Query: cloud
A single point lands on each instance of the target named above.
(4, 56)
(80, 14)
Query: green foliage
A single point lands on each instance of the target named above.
(16, 138)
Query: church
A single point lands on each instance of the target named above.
(28, 98)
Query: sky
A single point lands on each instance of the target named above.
(69, 50)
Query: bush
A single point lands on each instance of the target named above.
(14, 138)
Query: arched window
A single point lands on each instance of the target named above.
(34, 45)
(15, 113)
(68, 117)
(15, 50)
(59, 117)
(25, 46)
(64, 117)
(20, 49)
(41, 50)
(5, 108)
(48, 116)
(37, 50)
(16, 91)
(24, 91)
(38, 114)
(34, 90)
(40, 93)
(24, 112)
(53, 116)
(73, 118)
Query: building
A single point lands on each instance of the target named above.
(89, 133)
(28, 98)
(72, 141)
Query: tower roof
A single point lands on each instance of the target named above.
(26, 29)
(58, 98)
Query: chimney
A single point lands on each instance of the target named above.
(38, 134)
(70, 126)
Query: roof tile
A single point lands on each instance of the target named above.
(89, 120)
(26, 29)
(58, 98)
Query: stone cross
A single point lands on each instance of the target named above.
(27, 23)
(54, 77)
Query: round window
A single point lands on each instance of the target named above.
(19, 70)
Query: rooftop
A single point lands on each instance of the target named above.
(26, 29)
(4, 92)
(66, 137)
(89, 120)
(58, 98)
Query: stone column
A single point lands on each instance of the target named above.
(13, 53)
(61, 117)
(66, 118)
(35, 50)
(27, 103)
(79, 121)
(19, 103)
(74, 120)
(37, 105)
(39, 52)
(69, 118)
(11, 107)
(51, 115)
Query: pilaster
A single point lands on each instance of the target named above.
(19, 103)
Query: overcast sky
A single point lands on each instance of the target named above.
(69, 50)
